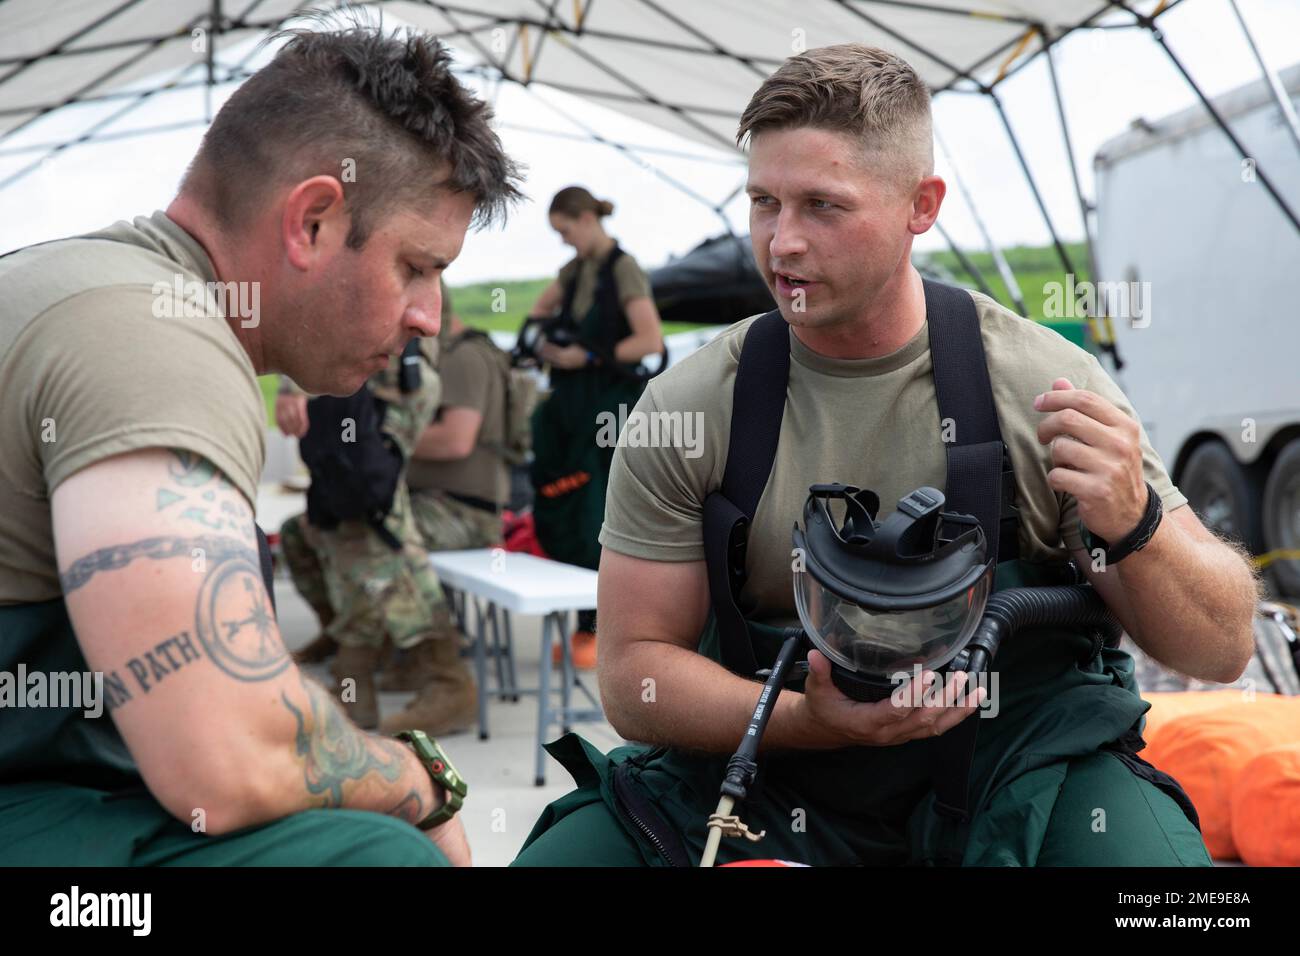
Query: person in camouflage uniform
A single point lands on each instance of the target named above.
(450, 525)
(458, 482)
(365, 592)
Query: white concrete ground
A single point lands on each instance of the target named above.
(503, 803)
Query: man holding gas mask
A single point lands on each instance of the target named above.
(840, 181)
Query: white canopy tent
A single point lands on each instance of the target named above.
(687, 66)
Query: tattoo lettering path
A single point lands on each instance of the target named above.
(151, 667)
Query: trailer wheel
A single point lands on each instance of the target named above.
(1224, 494)
(1282, 516)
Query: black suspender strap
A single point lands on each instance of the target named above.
(760, 389)
(979, 480)
(758, 407)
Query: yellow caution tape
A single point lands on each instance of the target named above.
(1278, 554)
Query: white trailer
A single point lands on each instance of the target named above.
(1213, 366)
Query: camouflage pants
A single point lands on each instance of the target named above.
(363, 590)
(450, 525)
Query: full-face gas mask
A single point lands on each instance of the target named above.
(881, 598)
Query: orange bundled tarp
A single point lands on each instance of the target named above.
(1266, 808)
(1214, 743)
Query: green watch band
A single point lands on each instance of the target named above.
(441, 771)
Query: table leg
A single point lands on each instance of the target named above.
(455, 603)
(480, 667)
(568, 675)
(497, 663)
(510, 657)
(544, 716)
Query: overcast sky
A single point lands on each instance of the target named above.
(1108, 78)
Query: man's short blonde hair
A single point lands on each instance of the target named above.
(852, 88)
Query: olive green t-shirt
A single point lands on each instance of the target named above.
(473, 376)
(631, 280)
(873, 423)
(98, 358)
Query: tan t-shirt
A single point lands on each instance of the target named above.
(872, 422)
(632, 281)
(473, 376)
(93, 364)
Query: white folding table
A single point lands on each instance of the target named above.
(524, 584)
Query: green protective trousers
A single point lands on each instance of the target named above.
(1046, 787)
(70, 794)
(1142, 827)
(57, 824)
(570, 471)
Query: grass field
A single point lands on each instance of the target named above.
(1034, 268)
(474, 303)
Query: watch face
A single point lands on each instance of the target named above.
(440, 765)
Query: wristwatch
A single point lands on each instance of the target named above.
(441, 771)
(1139, 537)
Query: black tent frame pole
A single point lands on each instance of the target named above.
(214, 30)
(1159, 37)
(1033, 185)
(140, 99)
(644, 163)
(52, 146)
(1004, 269)
(541, 39)
(717, 49)
(1280, 96)
(596, 137)
(272, 26)
(1088, 24)
(645, 96)
(988, 91)
(61, 48)
(966, 263)
(910, 44)
(1085, 208)
(87, 135)
(951, 11)
(74, 97)
(559, 26)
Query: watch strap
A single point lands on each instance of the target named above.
(1140, 536)
(441, 772)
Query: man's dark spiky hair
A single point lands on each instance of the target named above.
(388, 102)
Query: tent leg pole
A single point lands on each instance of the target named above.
(999, 260)
(1274, 84)
(1159, 37)
(214, 28)
(1084, 207)
(966, 263)
(1033, 186)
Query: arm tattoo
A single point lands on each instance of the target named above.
(410, 809)
(334, 752)
(232, 614)
(191, 494)
(112, 558)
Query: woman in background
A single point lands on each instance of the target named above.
(603, 299)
